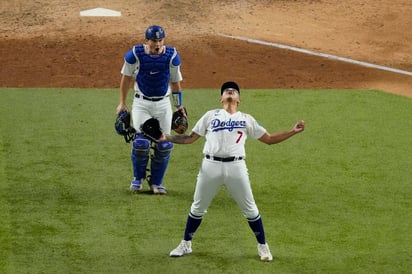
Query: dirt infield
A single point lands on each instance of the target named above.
(47, 43)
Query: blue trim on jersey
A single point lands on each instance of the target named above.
(129, 57)
(176, 61)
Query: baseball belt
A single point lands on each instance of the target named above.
(225, 159)
(153, 99)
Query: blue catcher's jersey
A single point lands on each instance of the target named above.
(153, 74)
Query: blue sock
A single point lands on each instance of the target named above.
(192, 223)
(257, 227)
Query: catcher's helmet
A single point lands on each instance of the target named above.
(155, 32)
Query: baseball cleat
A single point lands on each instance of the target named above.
(185, 247)
(264, 253)
(158, 189)
(136, 186)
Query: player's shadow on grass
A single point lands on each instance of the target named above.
(144, 192)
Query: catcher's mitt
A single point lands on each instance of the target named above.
(122, 126)
(179, 121)
(151, 129)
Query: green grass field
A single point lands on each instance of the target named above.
(334, 199)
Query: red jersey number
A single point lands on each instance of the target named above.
(240, 136)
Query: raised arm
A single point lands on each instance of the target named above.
(277, 137)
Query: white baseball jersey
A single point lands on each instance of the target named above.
(226, 133)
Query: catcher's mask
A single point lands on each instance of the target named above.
(122, 126)
(155, 32)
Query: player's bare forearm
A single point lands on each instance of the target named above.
(182, 138)
(124, 87)
(277, 137)
(176, 86)
(274, 138)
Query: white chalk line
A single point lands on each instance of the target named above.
(325, 55)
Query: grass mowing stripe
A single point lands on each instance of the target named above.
(5, 226)
(334, 199)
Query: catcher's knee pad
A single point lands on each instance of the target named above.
(163, 148)
(141, 144)
(140, 156)
(160, 161)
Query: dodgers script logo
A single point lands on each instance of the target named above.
(229, 125)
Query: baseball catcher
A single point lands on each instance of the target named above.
(179, 121)
(122, 126)
(154, 69)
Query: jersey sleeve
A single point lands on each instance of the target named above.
(176, 59)
(128, 69)
(175, 73)
(202, 124)
(130, 64)
(255, 130)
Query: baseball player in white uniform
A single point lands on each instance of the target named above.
(155, 70)
(226, 131)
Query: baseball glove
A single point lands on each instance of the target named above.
(151, 129)
(122, 126)
(179, 121)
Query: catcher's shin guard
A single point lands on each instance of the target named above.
(140, 156)
(159, 162)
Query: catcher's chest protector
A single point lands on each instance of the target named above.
(154, 72)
